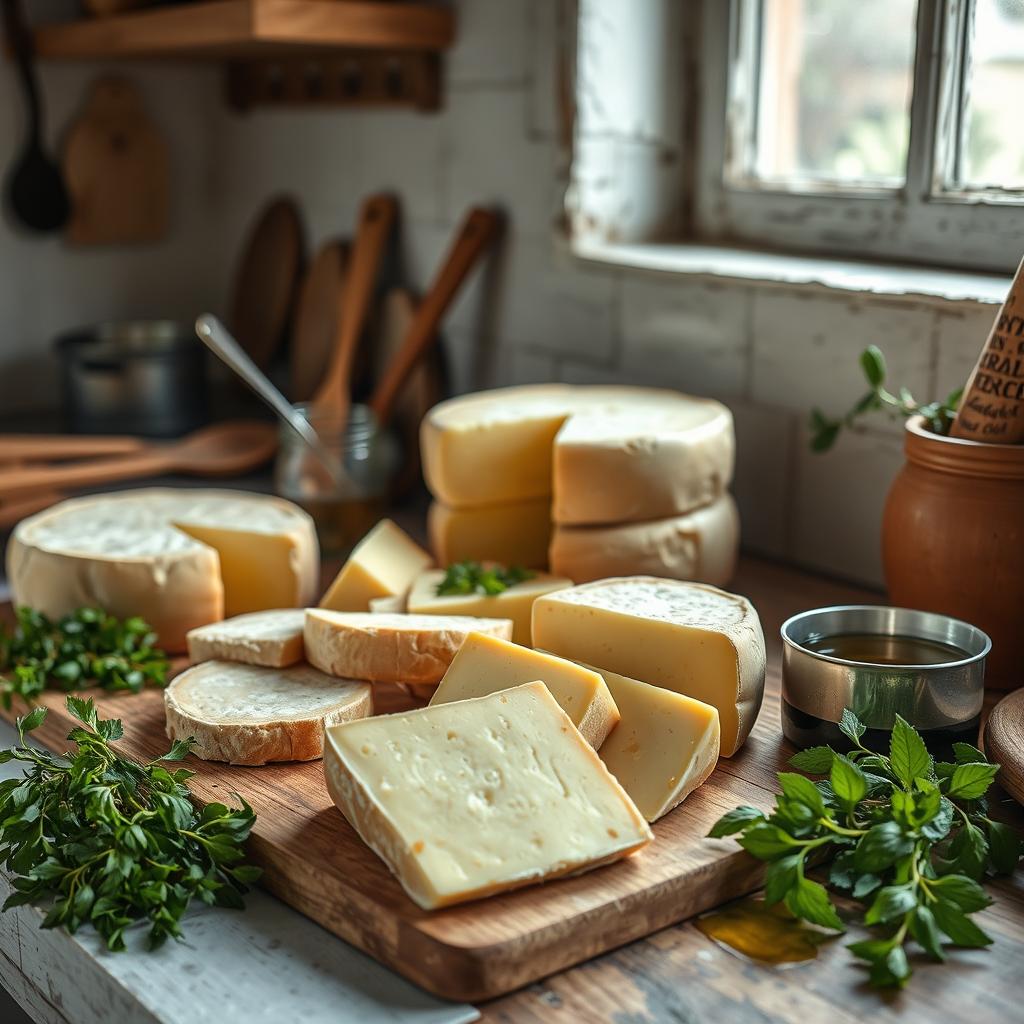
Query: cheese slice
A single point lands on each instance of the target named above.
(664, 747)
(271, 638)
(687, 637)
(514, 533)
(485, 664)
(383, 564)
(515, 603)
(476, 797)
(701, 546)
(177, 558)
(388, 648)
(394, 604)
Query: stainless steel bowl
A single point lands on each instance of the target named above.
(944, 698)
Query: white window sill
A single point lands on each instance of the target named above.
(769, 268)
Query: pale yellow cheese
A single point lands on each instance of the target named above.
(664, 747)
(687, 637)
(516, 603)
(383, 564)
(272, 638)
(485, 664)
(383, 647)
(394, 604)
(514, 533)
(476, 797)
(701, 545)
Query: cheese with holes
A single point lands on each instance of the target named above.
(177, 558)
(514, 533)
(383, 647)
(701, 545)
(664, 747)
(484, 664)
(515, 603)
(689, 637)
(271, 638)
(476, 797)
(383, 564)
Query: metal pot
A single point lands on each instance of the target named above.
(138, 377)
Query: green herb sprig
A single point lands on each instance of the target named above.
(476, 578)
(108, 841)
(825, 430)
(87, 647)
(908, 837)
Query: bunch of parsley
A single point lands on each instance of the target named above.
(908, 836)
(108, 841)
(475, 578)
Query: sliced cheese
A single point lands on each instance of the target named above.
(664, 747)
(687, 637)
(701, 546)
(394, 604)
(177, 558)
(472, 798)
(246, 714)
(259, 638)
(484, 664)
(516, 603)
(514, 533)
(389, 648)
(383, 564)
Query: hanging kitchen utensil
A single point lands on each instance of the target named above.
(317, 314)
(36, 195)
(267, 280)
(117, 169)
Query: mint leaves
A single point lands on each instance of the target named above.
(907, 836)
(475, 578)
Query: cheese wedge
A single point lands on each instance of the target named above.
(476, 797)
(394, 604)
(664, 747)
(383, 564)
(245, 714)
(177, 558)
(688, 637)
(484, 664)
(388, 648)
(514, 533)
(701, 546)
(270, 638)
(516, 603)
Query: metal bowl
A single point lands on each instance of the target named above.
(942, 700)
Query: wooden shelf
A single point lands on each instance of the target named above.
(241, 29)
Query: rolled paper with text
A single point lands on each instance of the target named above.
(992, 408)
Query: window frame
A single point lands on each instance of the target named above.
(926, 220)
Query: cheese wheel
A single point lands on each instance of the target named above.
(514, 533)
(177, 558)
(701, 546)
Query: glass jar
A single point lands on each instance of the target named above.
(343, 510)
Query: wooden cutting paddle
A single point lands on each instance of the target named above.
(478, 231)
(221, 450)
(267, 280)
(376, 221)
(47, 447)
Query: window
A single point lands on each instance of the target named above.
(883, 128)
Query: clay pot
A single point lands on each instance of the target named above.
(953, 540)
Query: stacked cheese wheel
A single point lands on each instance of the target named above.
(596, 481)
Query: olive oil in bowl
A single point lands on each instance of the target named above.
(884, 649)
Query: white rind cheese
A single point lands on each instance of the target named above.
(514, 533)
(247, 714)
(383, 647)
(701, 546)
(473, 798)
(272, 638)
(688, 637)
(177, 558)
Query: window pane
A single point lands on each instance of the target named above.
(994, 150)
(835, 85)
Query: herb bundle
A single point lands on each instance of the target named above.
(475, 578)
(88, 646)
(110, 841)
(908, 836)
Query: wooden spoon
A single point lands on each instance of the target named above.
(47, 447)
(221, 450)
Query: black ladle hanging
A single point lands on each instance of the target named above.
(35, 193)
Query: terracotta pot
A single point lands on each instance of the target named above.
(953, 540)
